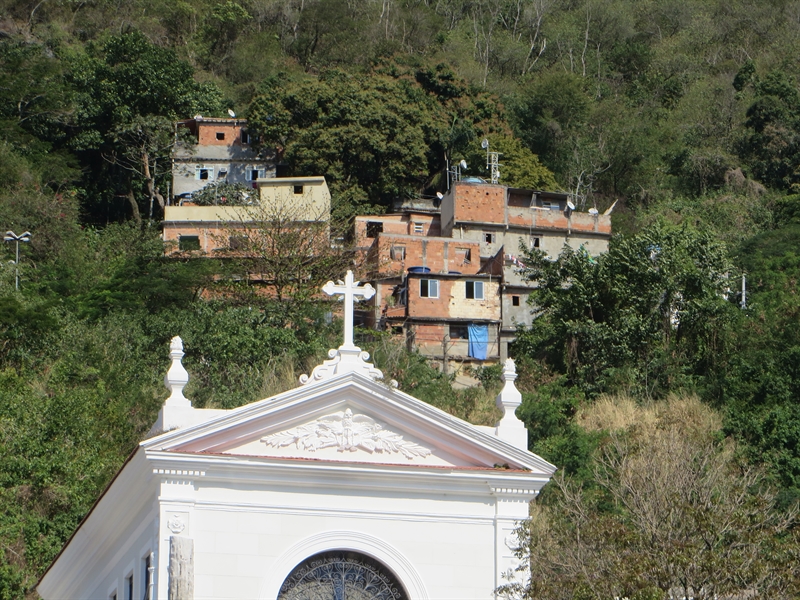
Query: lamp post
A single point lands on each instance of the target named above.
(13, 237)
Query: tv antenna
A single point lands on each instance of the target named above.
(492, 162)
(454, 172)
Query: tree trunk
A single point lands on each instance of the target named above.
(134, 207)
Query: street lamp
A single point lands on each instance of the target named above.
(13, 237)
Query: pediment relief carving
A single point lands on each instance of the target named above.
(347, 432)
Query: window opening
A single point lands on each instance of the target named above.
(341, 575)
(245, 137)
(475, 290)
(514, 300)
(488, 238)
(463, 256)
(189, 242)
(374, 228)
(201, 172)
(459, 332)
(419, 228)
(398, 253)
(146, 576)
(428, 288)
(257, 173)
(298, 189)
(220, 135)
(237, 242)
(129, 587)
(535, 242)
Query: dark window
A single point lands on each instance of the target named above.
(397, 330)
(245, 137)
(204, 173)
(374, 228)
(129, 587)
(459, 332)
(220, 135)
(488, 238)
(428, 288)
(237, 242)
(514, 300)
(298, 189)
(535, 242)
(475, 290)
(189, 242)
(146, 578)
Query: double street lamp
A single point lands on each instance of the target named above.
(13, 237)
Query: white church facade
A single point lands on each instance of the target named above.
(343, 488)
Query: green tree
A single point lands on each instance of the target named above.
(648, 315)
(672, 512)
(128, 93)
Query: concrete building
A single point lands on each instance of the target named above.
(282, 200)
(449, 271)
(210, 150)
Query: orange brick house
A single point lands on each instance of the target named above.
(446, 275)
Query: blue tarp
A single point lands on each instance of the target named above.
(478, 341)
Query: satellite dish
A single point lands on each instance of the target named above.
(231, 113)
(463, 164)
(439, 195)
(594, 211)
(198, 117)
(570, 205)
(485, 144)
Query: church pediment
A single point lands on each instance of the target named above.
(349, 418)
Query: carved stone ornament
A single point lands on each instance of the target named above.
(347, 432)
(176, 524)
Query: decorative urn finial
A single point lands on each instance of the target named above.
(510, 427)
(177, 377)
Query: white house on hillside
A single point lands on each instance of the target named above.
(344, 487)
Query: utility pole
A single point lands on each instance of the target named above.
(743, 303)
(13, 237)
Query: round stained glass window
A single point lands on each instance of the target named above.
(341, 575)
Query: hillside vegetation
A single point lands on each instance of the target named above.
(684, 112)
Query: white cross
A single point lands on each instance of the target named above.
(349, 289)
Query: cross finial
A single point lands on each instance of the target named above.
(350, 289)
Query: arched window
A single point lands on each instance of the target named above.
(341, 575)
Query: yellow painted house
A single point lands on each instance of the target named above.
(281, 200)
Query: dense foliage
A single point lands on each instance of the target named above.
(686, 112)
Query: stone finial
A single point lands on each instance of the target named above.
(177, 377)
(510, 428)
(509, 370)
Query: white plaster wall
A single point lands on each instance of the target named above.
(247, 539)
(133, 545)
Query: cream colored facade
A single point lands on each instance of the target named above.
(213, 228)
